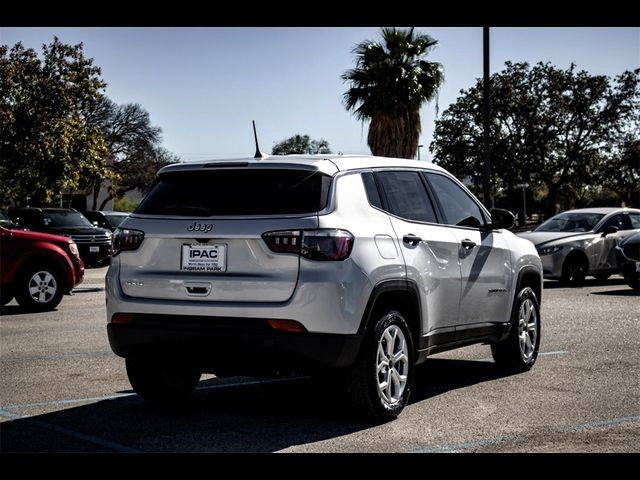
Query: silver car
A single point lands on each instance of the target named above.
(357, 266)
(582, 242)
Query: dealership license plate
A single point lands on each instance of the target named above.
(94, 249)
(202, 257)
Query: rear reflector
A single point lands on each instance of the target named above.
(122, 318)
(287, 326)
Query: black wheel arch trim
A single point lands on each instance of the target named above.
(389, 286)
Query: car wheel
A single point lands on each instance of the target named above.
(158, 383)
(601, 277)
(519, 350)
(380, 380)
(575, 270)
(39, 288)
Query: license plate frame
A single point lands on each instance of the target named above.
(203, 257)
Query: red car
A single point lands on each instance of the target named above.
(37, 268)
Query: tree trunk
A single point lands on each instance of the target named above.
(395, 136)
(550, 201)
(96, 193)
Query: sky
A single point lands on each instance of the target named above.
(203, 86)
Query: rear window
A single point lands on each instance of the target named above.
(237, 192)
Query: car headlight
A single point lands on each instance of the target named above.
(74, 249)
(548, 250)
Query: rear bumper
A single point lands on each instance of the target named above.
(235, 345)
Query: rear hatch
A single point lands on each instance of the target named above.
(203, 233)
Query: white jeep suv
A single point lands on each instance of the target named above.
(363, 265)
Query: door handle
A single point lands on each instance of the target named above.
(411, 239)
(468, 244)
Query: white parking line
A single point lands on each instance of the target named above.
(70, 433)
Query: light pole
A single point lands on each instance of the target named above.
(486, 116)
(419, 147)
(524, 201)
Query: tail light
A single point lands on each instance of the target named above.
(124, 239)
(322, 244)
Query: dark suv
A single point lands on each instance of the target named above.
(37, 268)
(94, 243)
(105, 218)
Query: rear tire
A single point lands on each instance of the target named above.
(574, 270)
(39, 288)
(519, 350)
(162, 384)
(379, 382)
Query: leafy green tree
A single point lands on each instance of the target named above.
(134, 151)
(46, 146)
(301, 144)
(552, 128)
(390, 83)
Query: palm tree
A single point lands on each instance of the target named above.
(389, 85)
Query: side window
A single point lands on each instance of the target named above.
(456, 204)
(635, 219)
(406, 196)
(372, 190)
(615, 221)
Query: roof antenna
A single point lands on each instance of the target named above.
(258, 154)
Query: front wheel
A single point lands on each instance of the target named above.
(519, 350)
(380, 380)
(160, 383)
(575, 270)
(39, 288)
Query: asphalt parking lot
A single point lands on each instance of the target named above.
(61, 389)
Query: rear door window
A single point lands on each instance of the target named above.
(237, 192)
(406, 196)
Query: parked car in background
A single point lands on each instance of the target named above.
(94, 243)
(628, 254)
(359, 267)
(582, 242)
(37, 268)
(105, 218)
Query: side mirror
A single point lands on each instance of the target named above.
(608, 230)
(501, 219)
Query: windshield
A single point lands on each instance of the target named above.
(571, 222)
(237, 192)
(66, 219)
(6, 221)
(115, 220)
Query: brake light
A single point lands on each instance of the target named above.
(125, 239)
(323, 244)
